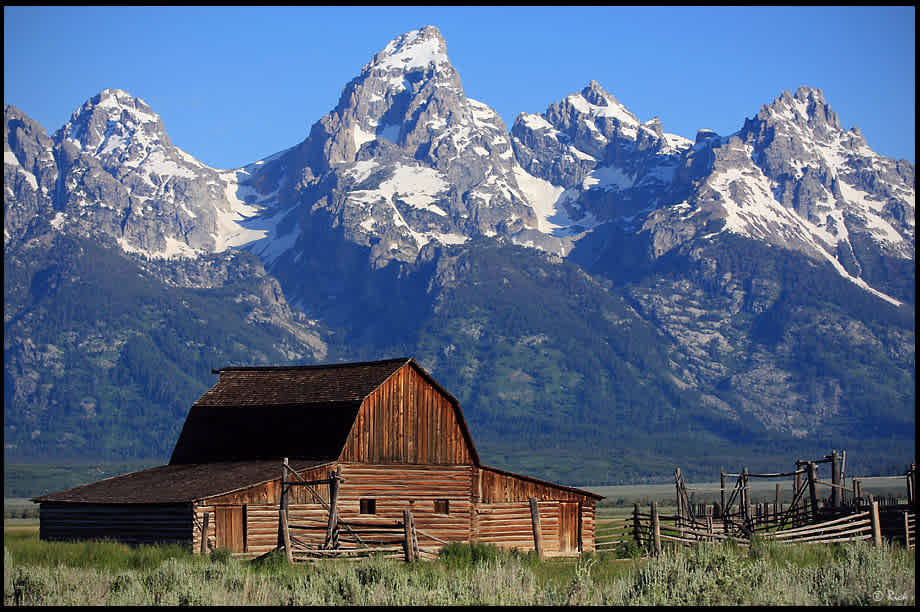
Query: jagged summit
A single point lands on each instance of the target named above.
(412, 51)
(597, 103)
(415, 161)
(111, 120)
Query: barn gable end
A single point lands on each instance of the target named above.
(409, 419)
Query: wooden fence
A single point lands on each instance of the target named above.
(610, 534)
(848, 513)
(650, 530)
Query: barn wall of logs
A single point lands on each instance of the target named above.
(500, 491)
(132, 523)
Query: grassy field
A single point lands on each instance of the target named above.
(106, 573)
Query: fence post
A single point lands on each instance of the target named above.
(835, 479)
(876, 525)
(637, 528)
(912, 484)
(778, 508)
(906, 531)
(407, 530)
(722, 489)
(746, 496)
(812, 491)
(204, 533)
(680, 498)
(332, 532)
(656, 528)
(283, 514)
(537, 528)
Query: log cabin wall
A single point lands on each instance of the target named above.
(393, 488)
(270, 492)
(131, 523)
(588, 525)
(407, 420)
(437, 495)
(510, 525)
(496, 486)
(500, 492)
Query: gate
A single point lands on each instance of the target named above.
(308, 539)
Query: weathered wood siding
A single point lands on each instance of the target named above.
(494, 488)
(510, 525)
(393, 487)
(249, 518)
(270, 492)
(407, 420)
(412, 487)
(132, 523)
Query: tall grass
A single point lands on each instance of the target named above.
(764, 574)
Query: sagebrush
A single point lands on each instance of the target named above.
(765, 574)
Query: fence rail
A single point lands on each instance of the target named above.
(611, 533)
(650, 529)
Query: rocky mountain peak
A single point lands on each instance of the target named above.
(802, 115)
(113, 121)
(412, 51)
(413, 160)
(408, 91)
(595, 94)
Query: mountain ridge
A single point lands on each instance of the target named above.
(410, 220)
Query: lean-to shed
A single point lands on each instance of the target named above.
(396, 437)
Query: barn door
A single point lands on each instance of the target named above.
(229, 528)
(568, 526)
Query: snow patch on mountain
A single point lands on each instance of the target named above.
(548, 203)
(417, 186)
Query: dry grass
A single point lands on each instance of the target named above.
(43, 573)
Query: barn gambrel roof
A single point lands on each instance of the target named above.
(306, 412)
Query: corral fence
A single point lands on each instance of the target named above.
(847, 514)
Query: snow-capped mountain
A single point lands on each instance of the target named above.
(585, 253)
(113, 169)
(404, 160)
(597, 159)
(793, 178)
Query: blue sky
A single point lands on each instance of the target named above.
(235, 84)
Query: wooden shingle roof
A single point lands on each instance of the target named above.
(288, 385)
(170, 484)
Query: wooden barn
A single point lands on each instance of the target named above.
(370, 440)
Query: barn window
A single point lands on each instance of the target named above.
(441, 506)
(368, 506)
